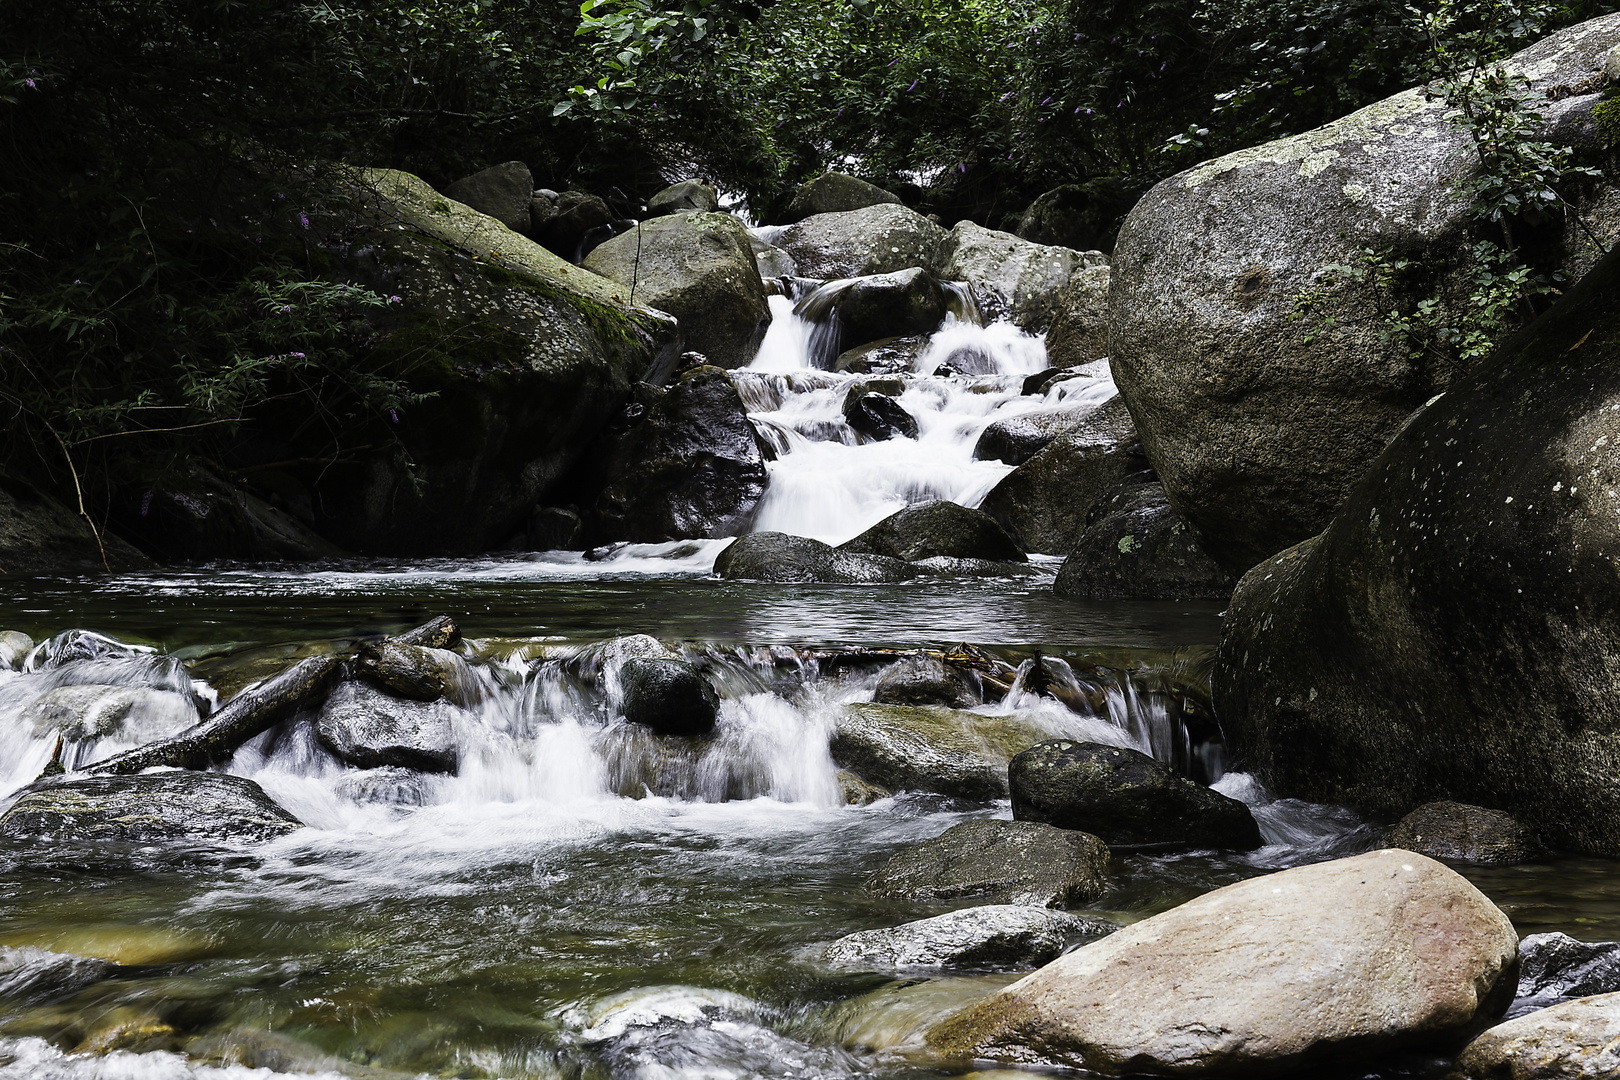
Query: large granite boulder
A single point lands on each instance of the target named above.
(1452, 634)
(669, 696)
(835, 193)
(937, 527)
(872, 308)
(1577, 1040)
(569, 226)
(1258, 420)
(1453, 830)
(689, 466)
(38, 535)
(1011, 278)
(1045, 502)
(700, 268)
(1016, 439)
(778, 557)
(195, 515)
(687, 195)
(180, 807)
(368, 729)
(1124, 798)
(1332, 962)
(1078, 333)
(1007, 862)
(931, 748)
(874, 240)
(992, 934)
(501, 191)
(1136, 547)
(525, 356)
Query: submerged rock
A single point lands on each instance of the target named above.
(178, 807)
(994, 934)
(14, 647)
(1452, 634)
(1011, 278)
(1135, 547)
(670, 696)
(937, 527)
(687, 195)
(1010, 862)
(700, 268)
(928, 748)
(873, 240)
(369, 729)
(834, 193)
(923, 680)
(89, 711)
(501, 191)
(409, 671)
(888, 356)
(778, 557)
(1338, 961)
(1124, 797)
(1453, 830)
(1577, 1040)
(1554, 966)
(31, 975)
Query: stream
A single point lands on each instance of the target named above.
(577, 900)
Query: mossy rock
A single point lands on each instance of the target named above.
(931, 748)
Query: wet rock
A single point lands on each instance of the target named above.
(39, 535)
(937, 527)
(1452, 830)
(1577, 1039)
(390, 786)
(875, 240)
(778, 557)
(878, 415)
(688, 195)
(888, 356)
(1124, 797)
(833, 193)
(1336, 962)
(1010, 862)
(501, 191)
(14, 646)
(928, 748)
(577, 216)
(1011, 278)
(369, 729)
(882, 306)
(923, 680)
(949, 566)
(277, 1054)
(775, 266)
(89, 711)
(1450, 635)
(1078, 333)
(180, 807)
(1044, 504)
(690, 467)
(1081, 216)
(670, 696)
(857, 792)
(1013, 935)
(700, 268)
(128, 1028)
(555, 528)
(1556, 966)
(195, 515)
(409, 671)
(1135, 547)
(30, 975)
(1260, 421)
(1018, 438)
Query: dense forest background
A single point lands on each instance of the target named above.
(170, 163)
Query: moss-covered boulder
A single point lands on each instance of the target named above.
(1453, 830)
(1012, 278)
(833, 193)
(932, 748)
(873, 240)
(167, 808)
(1006, 862)
(1136, 547)
(1452, 634)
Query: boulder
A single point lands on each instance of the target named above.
(937, 527)
(857, 792)
(500, 191)
(1007, 862)
(833, 193)
(775, 266)
(879, 307)
(929, 748)
(89, 711)
(1081, 216)
(1554, 967)
(194, 515)
(1078, 333)
(1260, 420)
(877, 415)
(699, 268)
(1045, 502)
(923, 680)
(1453, 830)
(685, 196)
(369, 729)
(1003, 935)
(1451, 634)
(14, 648)
(1124, 798)
(576, 216)
(409, 671)
(1011, 278)
(670, 696)
(1333, 962)
(1135, 547)
(689, 467)
(778, 557)
(176, 807)
(1016, 439)
(888, 356)
(555, 528)
(527, 358)
(1576, 1040)
(875, 240)
(38, 535)
(30, 975)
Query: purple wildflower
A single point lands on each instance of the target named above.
(286, 309)
(303, 219)
(913, 85)
(396, 299)
(298, 355)
(1044, 102)
(146, 503)
(29, 83)
(393, 414)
